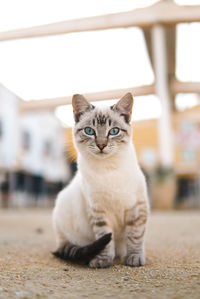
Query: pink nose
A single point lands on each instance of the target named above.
(101, 146)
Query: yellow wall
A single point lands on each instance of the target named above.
(71, 151)
(145, 136)
(187, 141)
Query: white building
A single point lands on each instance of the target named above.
(9, 129)
(42, 146)
(32, 151)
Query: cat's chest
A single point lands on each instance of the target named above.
(113, 190)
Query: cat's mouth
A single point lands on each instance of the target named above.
(101, 153)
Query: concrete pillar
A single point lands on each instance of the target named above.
(162, 90)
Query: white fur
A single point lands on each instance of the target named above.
(115, 184)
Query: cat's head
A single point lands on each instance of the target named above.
(102, 131)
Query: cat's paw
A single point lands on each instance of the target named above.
(101, 262)
(135, 260)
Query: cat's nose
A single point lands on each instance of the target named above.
(101, 146)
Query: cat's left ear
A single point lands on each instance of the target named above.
(80, 105)
(124, 106)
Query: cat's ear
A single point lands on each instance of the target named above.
(124, 106)
(80, 105)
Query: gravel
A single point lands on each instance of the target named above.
(28, 269)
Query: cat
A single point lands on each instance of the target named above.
(102, 213)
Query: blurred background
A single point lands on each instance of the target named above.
(51, 49)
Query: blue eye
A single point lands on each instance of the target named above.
(114, 131)
(89, 131)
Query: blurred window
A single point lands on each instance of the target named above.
(48, 148)
(26, 140)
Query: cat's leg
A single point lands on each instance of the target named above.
(101, 227)
(120, 247)
(136, 219)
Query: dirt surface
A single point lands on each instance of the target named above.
(28, 270)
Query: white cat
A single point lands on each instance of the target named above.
(103, 212)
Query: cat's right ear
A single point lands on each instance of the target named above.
(80, 105)
(124, 106)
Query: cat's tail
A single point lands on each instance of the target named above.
(83, 254)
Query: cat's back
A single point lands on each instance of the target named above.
(70, 193)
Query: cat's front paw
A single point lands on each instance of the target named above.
(135, 260)
(101, 262)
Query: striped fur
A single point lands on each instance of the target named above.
(83, 254)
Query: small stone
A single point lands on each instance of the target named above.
(51, 291)
(65, 269)
(21, 293)
(39, 230)
(125, 278)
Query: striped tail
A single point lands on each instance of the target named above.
(84, 254)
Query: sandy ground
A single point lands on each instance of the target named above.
(28, 270)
